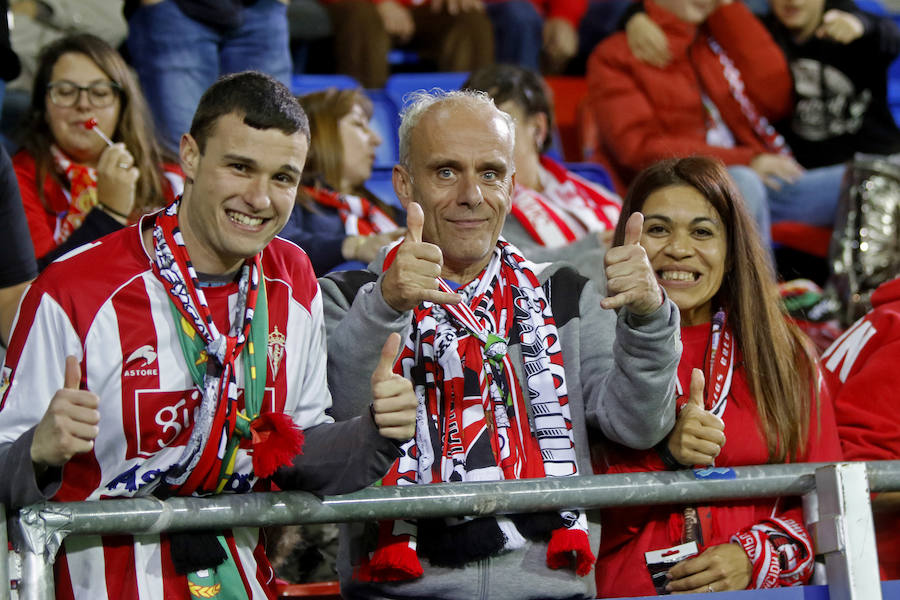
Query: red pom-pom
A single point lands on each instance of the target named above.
(565, 541)
(276, 441)
(397, 561)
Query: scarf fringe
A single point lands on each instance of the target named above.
(276, 441)
(394, 561)
(563, 543)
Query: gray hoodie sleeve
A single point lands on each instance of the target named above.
(629, 386)
(21, 485)
(356, 332)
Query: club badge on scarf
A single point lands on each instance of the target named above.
(473, 424)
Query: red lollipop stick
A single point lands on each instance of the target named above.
(91, 124)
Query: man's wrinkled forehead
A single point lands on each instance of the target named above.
(452, 120)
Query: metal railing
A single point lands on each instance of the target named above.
(836, 507)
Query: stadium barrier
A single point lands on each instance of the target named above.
(836, 502)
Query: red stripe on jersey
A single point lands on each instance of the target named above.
(278, 303)
(265, 574)
(80, 476)
(232, 548)
(61, 578)
(27, 311)
(282, 258)
(121, 576)
(175, 585)
(139, 347)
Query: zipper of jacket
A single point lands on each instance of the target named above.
(484, 568)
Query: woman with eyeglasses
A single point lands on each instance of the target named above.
(77, 186)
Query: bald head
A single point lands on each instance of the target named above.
(441, 102)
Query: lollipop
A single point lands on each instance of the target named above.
(91, 124)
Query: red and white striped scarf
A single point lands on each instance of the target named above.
(469, 394)
(360, 217)
(766, 133)
(569, 208)
(780, 550)
(82, 194)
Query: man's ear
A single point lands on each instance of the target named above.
(402, 181)
(189, 155)
(541, 124)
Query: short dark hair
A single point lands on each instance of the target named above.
(504, 83)
(263, 101)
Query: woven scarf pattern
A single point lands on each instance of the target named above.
(473, 419)
(82, 194)
(217, 414)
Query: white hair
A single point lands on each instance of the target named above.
(418, 103)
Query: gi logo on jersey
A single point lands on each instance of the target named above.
(146, 354)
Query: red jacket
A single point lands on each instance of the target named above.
(861, 368)
(571, 10)
(43, 217)
(645, 114)
(628, 533)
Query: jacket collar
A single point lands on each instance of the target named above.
(680, 34)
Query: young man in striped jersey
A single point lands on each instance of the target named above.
(186, 356)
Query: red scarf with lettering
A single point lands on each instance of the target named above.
(473, 422)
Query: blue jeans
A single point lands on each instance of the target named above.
(177, 58)
(812, 199)
(518, 32)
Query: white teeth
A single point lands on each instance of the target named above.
(678, 276)
(245, 219)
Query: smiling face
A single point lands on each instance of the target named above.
(358, 142)
(686, 243)
(242, 190)
(461, 172)
(67, 123)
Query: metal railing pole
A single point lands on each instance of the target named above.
(845, 532)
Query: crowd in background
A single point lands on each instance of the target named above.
(720, 121)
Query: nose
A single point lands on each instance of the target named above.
(374, 139)
(257, 194)
(470, 193)
(679, 245)
(83, 101)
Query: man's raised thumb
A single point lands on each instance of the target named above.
(415, 221)
(72, 380)
(385, 368)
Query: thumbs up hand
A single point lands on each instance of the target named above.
(70, 424)
(394, 401)
(698, 435)
(630, 280)
(412, 277)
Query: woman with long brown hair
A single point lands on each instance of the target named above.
(89, 162)
(337, 221)
(761, 403)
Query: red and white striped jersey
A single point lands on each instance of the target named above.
(103, 305)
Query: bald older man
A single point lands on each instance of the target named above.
(514, 366)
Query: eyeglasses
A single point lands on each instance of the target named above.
(66, 93)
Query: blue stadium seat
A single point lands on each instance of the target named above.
(380, 185)
(592, 172)
(385, 121)
(303, 83)
(400, 84)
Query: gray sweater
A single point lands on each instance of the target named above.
(620, 374)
